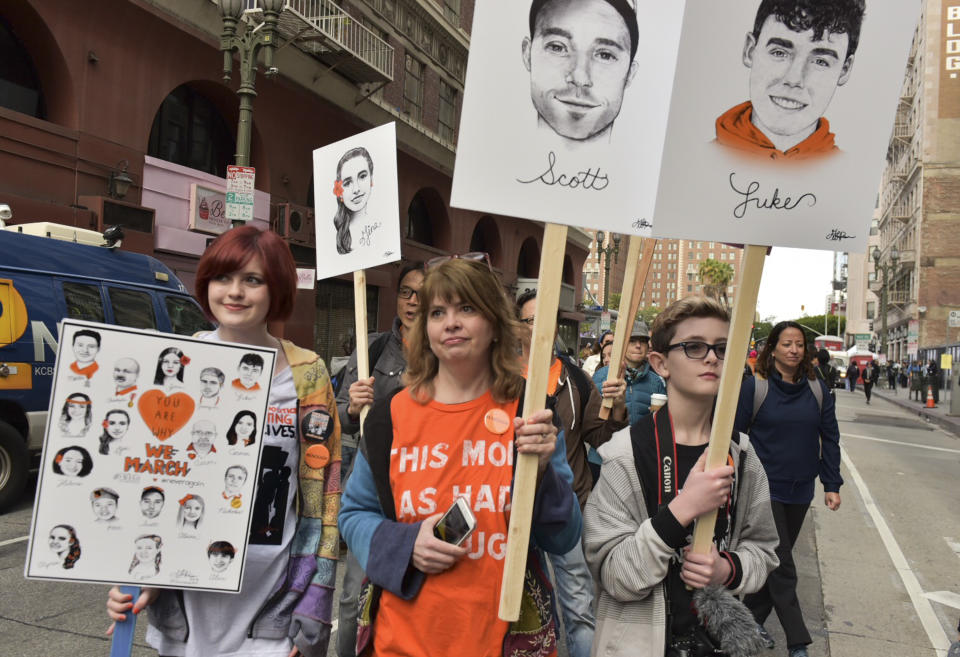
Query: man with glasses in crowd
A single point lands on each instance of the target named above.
(387, 364)
(578, 409)
(642, 382)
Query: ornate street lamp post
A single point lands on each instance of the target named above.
(247, 42)
(608, 250)
(888, 270)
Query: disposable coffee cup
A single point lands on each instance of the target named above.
(656, 401)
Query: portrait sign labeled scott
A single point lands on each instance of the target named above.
(565, 110)
(150, 461)
(781, 118)
(357, 221)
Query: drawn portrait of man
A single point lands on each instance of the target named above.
(580, 57)
(799, 53)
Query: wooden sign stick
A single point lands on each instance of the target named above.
(360, 313)
(535, 397)
(634, 279)
(738, 340)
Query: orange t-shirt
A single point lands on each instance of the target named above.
(441, 451)
(735, 129)
(553, 379)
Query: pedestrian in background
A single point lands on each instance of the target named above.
(794, 430)
(458, 417)
(870, 375)
(917, 376)
(387, 362)
(245, 279)
(853, 373)
(933, 379)
(642, 381)
(826, 372)
(592, 362)
(892, 376)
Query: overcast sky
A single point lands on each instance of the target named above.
(794, 278)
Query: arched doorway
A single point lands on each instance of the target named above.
(189, 130)
(528, 262)
(486, 238)
(20, 88)
(427, 220)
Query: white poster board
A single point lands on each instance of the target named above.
(721, 179)
(357, 221)
(563, 122)
(150, 459)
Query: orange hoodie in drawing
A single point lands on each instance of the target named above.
(736, 130)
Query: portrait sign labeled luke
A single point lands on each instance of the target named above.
(563, 112)
(779, 137)
(357, 207)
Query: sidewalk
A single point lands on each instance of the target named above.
(938, 415)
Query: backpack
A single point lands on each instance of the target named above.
(763, 386)
(374, 351)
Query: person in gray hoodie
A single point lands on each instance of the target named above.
(639, 519)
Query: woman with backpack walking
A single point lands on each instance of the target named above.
(792, 424)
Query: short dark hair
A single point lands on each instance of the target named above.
(86, 333)
(153, 489)
(529, 295)
(253, 360)
(221, 547)
(834, 16)
(413, 266)
(622, 7)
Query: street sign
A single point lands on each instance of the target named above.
(240, 192)
(605, 321)
(913, 337)
(953, 319)
(863, 341)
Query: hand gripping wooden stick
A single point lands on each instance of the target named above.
(634, 279)
(535, 397)
(738, 340)
(360, 314)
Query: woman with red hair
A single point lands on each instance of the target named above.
(245, 280)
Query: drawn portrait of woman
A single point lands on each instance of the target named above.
(115, 424)
(73, 461)
(243, 428)
(353, 187)
(170, 366)
(146, 556)
(64, 543)
(76, 415)
(190, 513)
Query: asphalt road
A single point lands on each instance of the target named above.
(863, 570)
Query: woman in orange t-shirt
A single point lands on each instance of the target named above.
(448, 434)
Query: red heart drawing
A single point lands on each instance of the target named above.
(164, 414)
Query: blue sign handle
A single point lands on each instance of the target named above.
(123, 631)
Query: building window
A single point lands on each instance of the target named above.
(448, 111)
(19, 84)
(189, 130)
(451, 11)
(413, 89)
(871, 309)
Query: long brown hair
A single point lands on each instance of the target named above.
(765, 360)
(471, 282)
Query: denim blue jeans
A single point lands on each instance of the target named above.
(574, 588)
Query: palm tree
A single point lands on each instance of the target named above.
(715, 276)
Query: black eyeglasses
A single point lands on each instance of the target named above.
(699, 350)
(477, 256)
(406, 292)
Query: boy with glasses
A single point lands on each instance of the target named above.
(639, 520)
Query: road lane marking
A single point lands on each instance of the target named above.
(19, 539)
(928, 618)
(902, 444)
(948, 598)
(953, 545)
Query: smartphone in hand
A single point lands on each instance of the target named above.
(457, 524)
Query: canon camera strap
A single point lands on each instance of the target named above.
(666, 458)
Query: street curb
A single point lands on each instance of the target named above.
(947, 422)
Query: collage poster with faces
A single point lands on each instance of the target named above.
(150, 460)
(357, 204)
